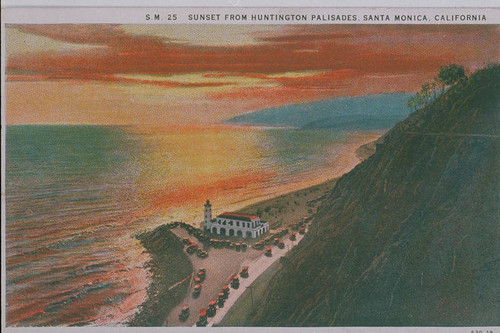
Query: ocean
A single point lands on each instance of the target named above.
(76, 196)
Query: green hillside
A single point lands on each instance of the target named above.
(410, 236)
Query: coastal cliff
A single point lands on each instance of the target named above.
(409, 237)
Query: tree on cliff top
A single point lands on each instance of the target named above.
(451, 74)
(447, 76)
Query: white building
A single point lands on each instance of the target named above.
(232, 224)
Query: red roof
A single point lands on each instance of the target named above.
(231, 215)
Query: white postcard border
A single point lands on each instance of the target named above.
(131, 15)
(251, 15)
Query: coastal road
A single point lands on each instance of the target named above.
(472, 135)
(256, 268)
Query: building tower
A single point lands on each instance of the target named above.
(208, 213)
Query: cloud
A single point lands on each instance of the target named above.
(201, 35)
(269, 50)
(219, 72)
(21, 42)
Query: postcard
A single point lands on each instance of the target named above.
(247, 167)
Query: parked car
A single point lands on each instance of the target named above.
(192, 248)
(202, 320)
(258, 246)
(235, 282)
(220, 300)
(212, 308)
(202, 273)
(225, 291)
(183, 316)
(244, 272)
(197, 290)
(202, 254)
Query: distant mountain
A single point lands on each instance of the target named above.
(354, 113)
(410, 236)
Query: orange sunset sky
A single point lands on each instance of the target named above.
(198, 74)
